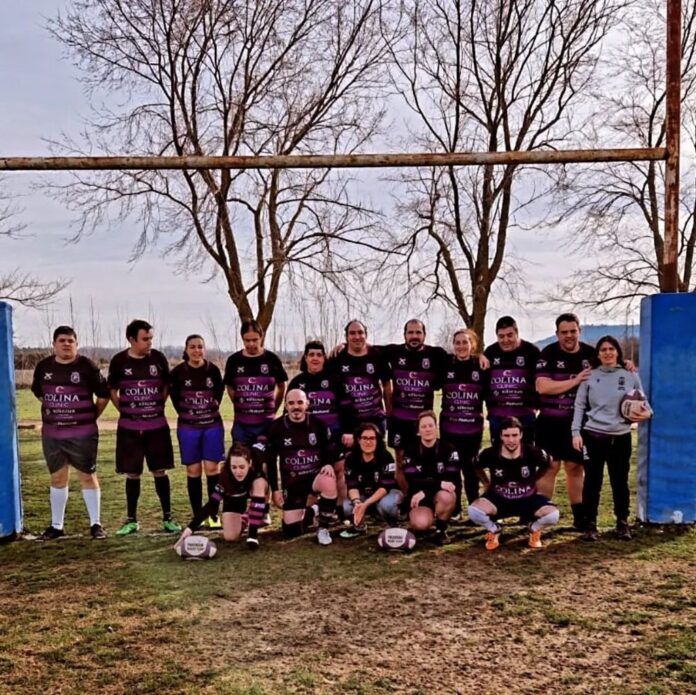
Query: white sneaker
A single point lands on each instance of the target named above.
(324, 537)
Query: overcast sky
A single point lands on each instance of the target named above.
(41, 99)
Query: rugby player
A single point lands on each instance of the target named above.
(514, 467)
(255, 380)
(239, 483)
(365, 378)
(417, 371)
(561, 368)
(73, 394)
(512, 390)
(138, 380)
(298, 452)
(431, 468)
(196, 390)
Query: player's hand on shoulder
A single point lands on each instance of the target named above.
(583, 375)
(484, 362)
(630, 366)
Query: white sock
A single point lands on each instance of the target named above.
(59, 500)
(482, 519)
(92, 500)
(550, 519)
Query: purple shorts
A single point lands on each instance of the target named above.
(205, 444)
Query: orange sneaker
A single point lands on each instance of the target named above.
(492, 540)
(535, 539)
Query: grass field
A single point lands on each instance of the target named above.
(128, 616)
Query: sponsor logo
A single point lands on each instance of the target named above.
(520, 361)
(187, 382)
(302, 387)
(128, 371)
(153, 370)
(287, 441)
(75, 377)
(345, 368)
(450, 375)
(496, 361)
(240, 370)
(370, 368)
(264, 369)
(560, 364)
(312, 438)
(498, 472)
(402, 361)
(48, 376)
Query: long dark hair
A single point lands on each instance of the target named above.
(193, 336)
(227, 480)
(356, 451)
(615, 343)
(311, 345)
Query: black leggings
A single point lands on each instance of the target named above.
(615, 451)
(467, 447)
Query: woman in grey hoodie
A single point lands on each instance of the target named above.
(605, 434)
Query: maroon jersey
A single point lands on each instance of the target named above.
(300, 448)
(559, 365)
(142, 388)
(416, 375)
(512, 391)
(254, 380)
(361, 378)
(426, 467)
(464, 390)
(369, 476)
(322, 391)
(196, 393)
(67, 394)
(515, 478)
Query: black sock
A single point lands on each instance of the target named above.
(308, 518)
(440, 525)
(578, 514)
(164, 493)
(327, 506)
(256, 506)
(195, 494)
(132, 495)
(211, 481)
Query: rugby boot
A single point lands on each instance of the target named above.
(591, 533)
(171, 526)
(51, 534)
(252, 543)
(354, 532)
(97, 532)
(442, 537)
(623, 530)
(535, 539)
(213, 523)
(324, 537)
(129, 527)
(492, 540)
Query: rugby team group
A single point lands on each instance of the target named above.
(326, 456)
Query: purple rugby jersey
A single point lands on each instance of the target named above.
(254, 380)
(515, 478)
(512, 389)
(196, 393)
(322, 391)
(558, 365)
(142, 386)
(67, 394)
(464, 390)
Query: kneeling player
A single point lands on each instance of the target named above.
(514, 469)
(300, 446)
(239, 484)
(431, 469)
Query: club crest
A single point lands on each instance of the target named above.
(312, 438)
(524, 471)
(370, 368)
(585, 364)
(475, 376)
(209, 383)
(75, 377)
(426, 363)
(440, 467)
(264, 369)
(325, 384)
(153, 370)
(520, 361)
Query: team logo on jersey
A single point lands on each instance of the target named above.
(541, 364)
(264, 369)
(585, 364)
(498, 472)
(287, 441)
(209, 383)
(153, 370)
(524, 471)
(187, 382)
(520, 361)
(240, 370)
(475, 376)
(402, 361)
(622, 383)
(370, 368)
(450, 375)
(325, 384)
(440, 467)
(312, 438)
(560, 364)
(454, 456)
(345, 368)
(75, 377)
(426, 363)
(48, 376)
(376, 476)
(390, 468)
(397, 438)
(302, 387)
(128, 371)
(496, 361)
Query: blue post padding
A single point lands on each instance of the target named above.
(10, 495)
(666, 458)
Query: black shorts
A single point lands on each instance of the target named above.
(236, 504)
(295, 496)
(428, 501)
(556, 439)
(80, 453)
(402, 434)
(467, 446)
(525, 507)
(134, 446)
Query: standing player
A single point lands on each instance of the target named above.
(255, 381)
(417, 371)
(298, 452)
(67, 385)
(196, 392)
(138, 379)
(514, 468)
(512, 392)
(431, 468)
(365, 379)
(464, 389)
(561, 368)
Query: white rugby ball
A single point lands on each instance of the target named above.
(396, 539)
(633, 403)
(196, 548)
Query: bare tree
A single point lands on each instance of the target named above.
(616, 210)
(231, 77)
(492, 76)
(17, 285)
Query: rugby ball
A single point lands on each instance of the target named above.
(396, 539)
(633, 403)
(196, 548)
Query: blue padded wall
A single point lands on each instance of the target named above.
(10, 496)
(666, 458)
